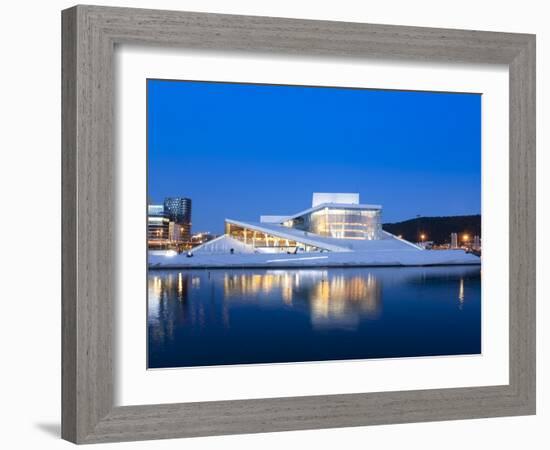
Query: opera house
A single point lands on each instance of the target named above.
(337, 230)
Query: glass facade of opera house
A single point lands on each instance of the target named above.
(261, 240)
(339, 223)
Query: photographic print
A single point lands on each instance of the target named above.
(294, 224)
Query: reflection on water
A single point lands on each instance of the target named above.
(204, 317)
(332, 299)
(461, 292)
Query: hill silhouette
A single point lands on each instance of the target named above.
(436, 229)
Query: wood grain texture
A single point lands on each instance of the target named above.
(68, 225)
(89, 36)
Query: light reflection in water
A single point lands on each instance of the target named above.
(332, 299)
(461, 293)
(241, 310)
(180, 284)
(340, 301)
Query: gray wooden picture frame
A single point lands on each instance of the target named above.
(90, 34)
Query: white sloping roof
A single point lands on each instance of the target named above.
(223, 244)
(272, 219)
(293, 234)
(388, 235)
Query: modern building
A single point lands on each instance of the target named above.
(157, 227)
(155, 210)
(178, 210)
(201, 238)
(333, 223)
(336, 231)
(178, 234)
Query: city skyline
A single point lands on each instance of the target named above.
(247, 150)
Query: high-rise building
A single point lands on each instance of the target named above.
(178, 210)
(454, 240)
(157, 227)
(155, 210)
(177, 233)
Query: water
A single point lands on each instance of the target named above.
(244, 316)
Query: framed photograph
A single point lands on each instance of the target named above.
(278, 224)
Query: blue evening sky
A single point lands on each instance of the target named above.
(241, 150)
